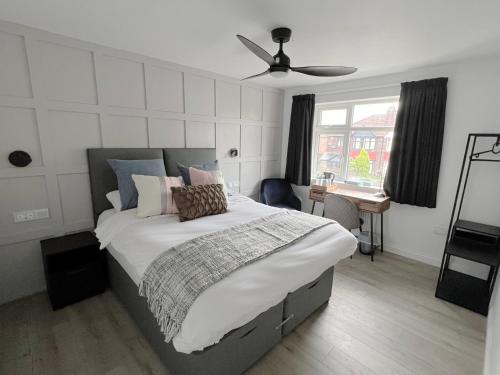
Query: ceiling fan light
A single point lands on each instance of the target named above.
(279, 73)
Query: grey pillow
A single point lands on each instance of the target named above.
(124, 169)
(184, 171)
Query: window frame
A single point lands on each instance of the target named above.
(344, 130)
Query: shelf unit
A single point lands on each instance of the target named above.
(476, 242)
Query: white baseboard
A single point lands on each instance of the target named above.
(456, 264)
(23, 294)
(411, 255)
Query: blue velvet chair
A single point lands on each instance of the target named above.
(278, 193)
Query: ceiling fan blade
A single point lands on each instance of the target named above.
(325, 71)
(257, 75)
(259, 51)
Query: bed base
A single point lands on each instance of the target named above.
(237, 350)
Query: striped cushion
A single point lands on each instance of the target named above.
(155, 195)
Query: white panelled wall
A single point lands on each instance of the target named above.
(59, 96)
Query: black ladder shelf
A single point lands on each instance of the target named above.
(469, 240)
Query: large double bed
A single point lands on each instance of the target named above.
(237, 320)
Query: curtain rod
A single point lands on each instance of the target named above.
(374, 87)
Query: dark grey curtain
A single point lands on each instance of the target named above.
(413, 171)
(298, 158)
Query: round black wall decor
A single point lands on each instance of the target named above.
(19, 158)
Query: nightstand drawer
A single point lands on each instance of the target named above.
(71, 260)
(76, 283)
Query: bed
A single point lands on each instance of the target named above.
(236, 321)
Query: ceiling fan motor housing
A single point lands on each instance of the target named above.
(281, 60)
(279, 68)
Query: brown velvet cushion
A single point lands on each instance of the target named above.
(197, 201)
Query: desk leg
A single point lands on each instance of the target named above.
(312, 210)
(382, 232)
(371, 235)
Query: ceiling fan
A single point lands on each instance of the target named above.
(279, 64)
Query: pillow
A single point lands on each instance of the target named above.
(155, 196)
(184, 171)
(201, 177)
(198, 201)
(114, 198)
(124, 169)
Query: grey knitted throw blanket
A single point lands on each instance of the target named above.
(174, 280)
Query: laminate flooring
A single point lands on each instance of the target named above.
(382, 319)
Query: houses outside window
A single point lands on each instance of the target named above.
(358, 143)
(371, 144)
(353, 139)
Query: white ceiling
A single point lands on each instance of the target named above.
(378, 37)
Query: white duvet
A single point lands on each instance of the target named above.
(244, 294)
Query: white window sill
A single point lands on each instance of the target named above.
(368, 189)
(356, 187)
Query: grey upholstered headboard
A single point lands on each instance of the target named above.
(186, 156)
(103, 179)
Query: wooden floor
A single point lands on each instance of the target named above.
(382, 319)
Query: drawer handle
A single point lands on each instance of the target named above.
(76, 270)
(284, 322)
(313, 285)
(249, 332)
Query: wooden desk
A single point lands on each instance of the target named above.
(365, 201)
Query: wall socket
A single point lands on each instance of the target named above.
(30, 215)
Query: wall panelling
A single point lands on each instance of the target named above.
(59, 96)
(14, 74)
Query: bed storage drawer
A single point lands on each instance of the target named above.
(305, 300)
(238, 350)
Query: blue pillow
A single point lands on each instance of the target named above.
(124, 169)
(184, 171)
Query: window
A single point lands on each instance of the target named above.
(353, 140)
(333, 117)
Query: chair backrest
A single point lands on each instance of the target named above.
(342, 210)
(274, 190)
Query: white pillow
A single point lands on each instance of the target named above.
(155, 197)
(115, 199)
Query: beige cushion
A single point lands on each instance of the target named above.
(155, 196)
(201, 177)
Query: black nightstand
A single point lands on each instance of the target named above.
(75, 268)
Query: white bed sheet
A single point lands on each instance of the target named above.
(244, 294)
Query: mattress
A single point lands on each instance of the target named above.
(244, 294)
